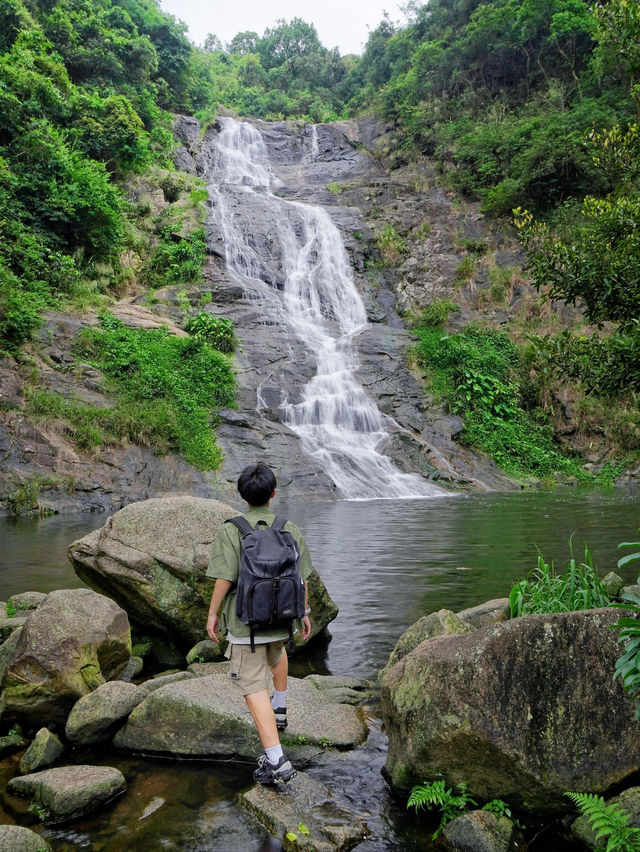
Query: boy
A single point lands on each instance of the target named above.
(250, 671)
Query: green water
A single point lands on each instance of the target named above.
(386, 563)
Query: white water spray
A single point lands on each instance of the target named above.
(338, 424)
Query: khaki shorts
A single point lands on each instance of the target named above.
(250, 672)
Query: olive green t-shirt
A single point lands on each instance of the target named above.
(225, 564)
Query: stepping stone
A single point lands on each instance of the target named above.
(69, 791)
(97, 716)
(305, 805)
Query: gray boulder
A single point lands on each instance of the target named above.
(331, 826)
(152, 556)
(522, 710)
(206, 651)
(96, 716)
(486, 613)
(481, 831)
(26, 600)
(9, 623)
(7, 650)
(15, 838)
(45, 749)
(70, 791)
(70, 645)
(208, 717)
(441, 623)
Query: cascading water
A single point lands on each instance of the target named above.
(316, 298)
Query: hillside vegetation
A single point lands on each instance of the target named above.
(528, 108)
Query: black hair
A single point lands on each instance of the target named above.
(256, 484)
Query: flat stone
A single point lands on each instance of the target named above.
(281, 809)
(26, 600)
(70, 791)
(337, 681)
(204, 669)
(45, 749)
(16, 838)
(208, 717)
(96, 716)
(490, 612)
(11, 743)
(345, 695)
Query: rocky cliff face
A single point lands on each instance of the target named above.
(269, 362)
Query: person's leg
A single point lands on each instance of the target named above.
(259, 705)
(280, 672)
(279, 665)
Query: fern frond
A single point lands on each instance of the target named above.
(610, 822)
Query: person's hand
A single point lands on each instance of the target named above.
(212, 626)
(306, 628)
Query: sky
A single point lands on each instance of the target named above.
(344, 24)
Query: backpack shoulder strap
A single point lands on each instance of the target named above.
(241, 523)
(278, 523)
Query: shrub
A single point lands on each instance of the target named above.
(437, 313)
(390, 244)
(216, 331)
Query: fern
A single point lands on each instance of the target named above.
(610, 822)
(435, 794)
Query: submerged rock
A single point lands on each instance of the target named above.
(70, 645)
(96, 716)
(45, 749)
(522, 710)
(70, 791)
(152, 556)
(307, 809)
(208, 717)
(481, 831)
(15, 838)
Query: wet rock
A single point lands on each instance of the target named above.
(629, 800)
(522, 710)
(97, 716)
(206, 651)
(45, 749)
(70, 791)
(331, 826)
(15, 838)
(9, 624)
(208, 717)
(490, 612)
(613, 583)
(26, 600)
(12, 742)
(70, 645)
(7, 649)
(481, 831)
(152, 557)
(441, 623)
(134, 667)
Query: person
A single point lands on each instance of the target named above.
(250, 671)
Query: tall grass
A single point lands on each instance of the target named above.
(544, 590)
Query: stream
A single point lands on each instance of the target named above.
(386, 563)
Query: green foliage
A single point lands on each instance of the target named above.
(166, 389)
(10, 610)
(628, 664)
(436, 314)
(435, 794)
(609, 822)
(176, 260)
(216, 331)
(544, 590)
(390, 244)
(481, 375)
(465, 270)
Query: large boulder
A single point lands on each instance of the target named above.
(97, 716)
(71, 644)
(15, 838)
(152, 556)
(441, 623)
(522, 710)
(208, 717)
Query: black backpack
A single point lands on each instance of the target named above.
(270, 589)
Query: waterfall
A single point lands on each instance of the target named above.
(292, 255)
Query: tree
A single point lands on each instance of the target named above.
(243, 43)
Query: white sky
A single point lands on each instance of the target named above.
(340, 23)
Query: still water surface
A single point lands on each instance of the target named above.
(385, 563)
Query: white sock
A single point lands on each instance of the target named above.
(273, 754)
(279, 699)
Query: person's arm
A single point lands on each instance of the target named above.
(220, 589)
(306, 623)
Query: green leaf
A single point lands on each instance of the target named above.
(291, 836)
(302, 828)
